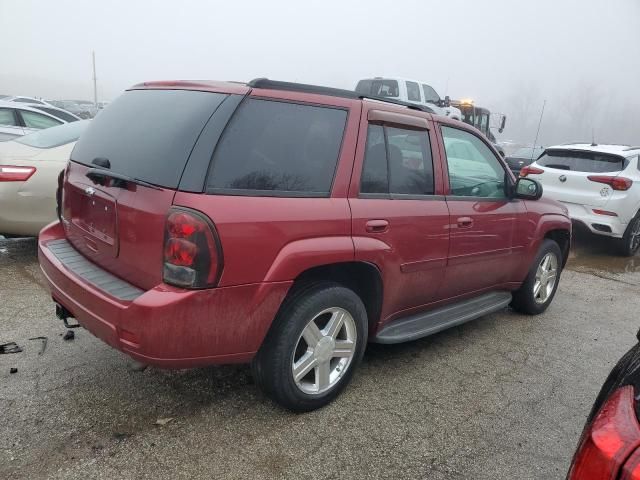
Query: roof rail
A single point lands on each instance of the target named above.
(332, 92)
(631, 148)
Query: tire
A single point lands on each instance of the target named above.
(328, 358)
(525, 300)
(629, 244)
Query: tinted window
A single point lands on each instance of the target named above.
(430, 95)
(579, 161)
(473, 168)
(7, 117)
(148, 134)
(55, 136)
(277, 146)
(374, 171)
(66, 116)
(403, 167)
(410, 164)
(37, 120)
(413, 92)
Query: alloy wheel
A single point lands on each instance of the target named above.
(324, 351)
(546, 278)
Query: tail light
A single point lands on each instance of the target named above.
(598, 211)
(192, 253)
(9, 173)
(631, 469)
(529, 170)
(607, 443)
(617, 183)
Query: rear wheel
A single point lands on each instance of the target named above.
(313, 348)
(629, 244)
(541, 284)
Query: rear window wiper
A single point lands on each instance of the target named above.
(96, 174)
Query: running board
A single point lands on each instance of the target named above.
(427, 323)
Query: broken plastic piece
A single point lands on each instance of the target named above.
(69, 335)
(13, 370)
(10, 347)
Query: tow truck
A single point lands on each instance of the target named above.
(482, 119)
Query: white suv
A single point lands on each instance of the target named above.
(599, 184)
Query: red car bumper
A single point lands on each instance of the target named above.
(167, 326)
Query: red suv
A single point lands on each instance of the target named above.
(287, 225)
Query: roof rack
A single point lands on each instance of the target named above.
(332, 92)
(631, 148)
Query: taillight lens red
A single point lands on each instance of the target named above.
(529, 170)
(631, 469)
(192, 253)
(612, 436)
(617, 183)
(10, 173)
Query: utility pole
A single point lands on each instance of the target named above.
(95, 87)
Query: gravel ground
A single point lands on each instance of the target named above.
(503, 397)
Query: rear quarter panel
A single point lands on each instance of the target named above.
(277, 238)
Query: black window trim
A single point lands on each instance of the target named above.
(505, 168)
(398, 196)
(276, 193)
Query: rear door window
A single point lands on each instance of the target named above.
(397, 161)
(582, 161)
(413, 91)
(37, 120)
(278, 148)
(148, 134)
(7, 117)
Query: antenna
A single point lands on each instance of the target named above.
(95, 88)
(593, 137)
(538, 131)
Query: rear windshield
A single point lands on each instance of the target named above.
(379, 88)
(582, 161)
(278, 149)
(148, 134)
(55, 136)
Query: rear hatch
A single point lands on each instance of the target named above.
(124, 173)
(566, 173)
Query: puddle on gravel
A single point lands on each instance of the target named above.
(593, 254)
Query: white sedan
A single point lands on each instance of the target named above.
(599, 184)
(29, 169)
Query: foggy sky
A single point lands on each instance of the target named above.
(582, 57)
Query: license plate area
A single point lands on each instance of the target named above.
(94, 219)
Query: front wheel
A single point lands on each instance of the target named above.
(541, 284)
(313, 347)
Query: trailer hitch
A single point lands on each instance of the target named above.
(64, 314)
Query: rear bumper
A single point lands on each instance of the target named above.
(166, 326)
(606, 225)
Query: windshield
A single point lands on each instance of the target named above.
(528, 152)
(582, 161)
(54, 136)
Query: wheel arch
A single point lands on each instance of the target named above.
(364, 278)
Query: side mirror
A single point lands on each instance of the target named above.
(447, 101)
(527, 189)
(502, 123)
